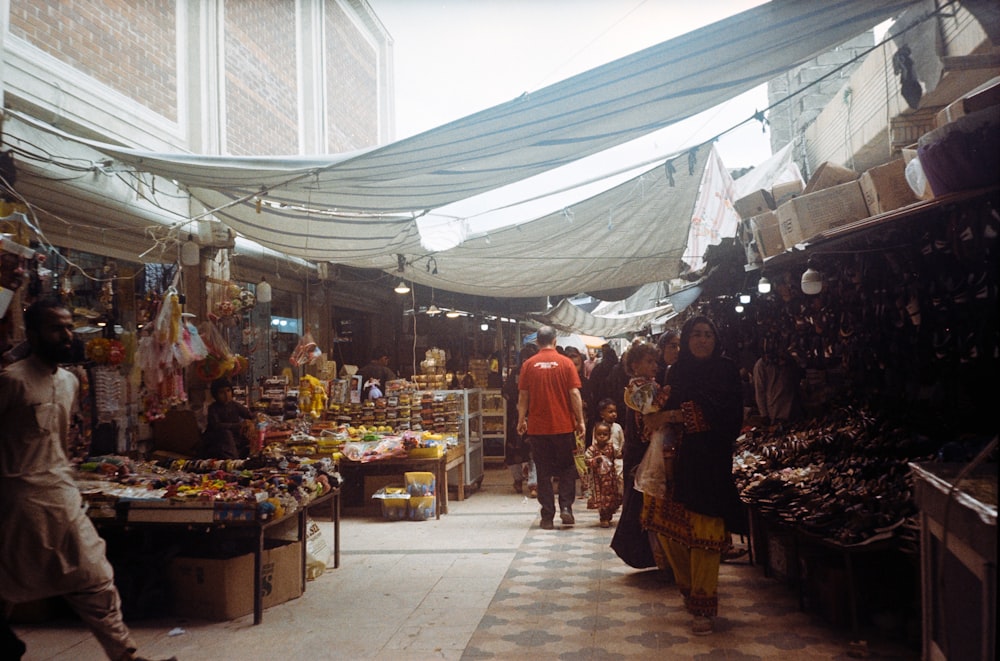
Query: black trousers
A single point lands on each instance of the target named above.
(553, 455)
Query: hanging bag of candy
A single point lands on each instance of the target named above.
(220, 360)
(306, 351)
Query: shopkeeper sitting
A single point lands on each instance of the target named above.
(222, 438)
(376, 373)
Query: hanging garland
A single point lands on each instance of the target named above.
(104, 351)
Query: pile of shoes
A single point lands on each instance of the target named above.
(844, 479)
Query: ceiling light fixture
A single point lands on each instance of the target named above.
(764, 285)
(190, 252)
(812, 281)
(263, 291)
(433, 310)
(402, 288)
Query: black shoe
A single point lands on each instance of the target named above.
(546, 524)
(567, 517)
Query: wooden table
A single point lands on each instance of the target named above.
(255, 529)
(439, 466)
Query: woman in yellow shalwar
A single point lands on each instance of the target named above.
(705, 412)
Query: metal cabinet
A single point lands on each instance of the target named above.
(494, 413)
(464, 407)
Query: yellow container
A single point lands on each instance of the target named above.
(419, 484)
(432, 452)
(421, 508)
(394, 502)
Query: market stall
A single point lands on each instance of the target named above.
(239, 505)
(891, 320)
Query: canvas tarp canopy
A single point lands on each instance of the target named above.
(362, 209)
(570, 318)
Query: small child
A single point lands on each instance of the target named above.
(609, 414)
(606, 492)
(643, 395)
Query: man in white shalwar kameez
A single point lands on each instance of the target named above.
(48, 546)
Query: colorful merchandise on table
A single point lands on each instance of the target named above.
(261, 488)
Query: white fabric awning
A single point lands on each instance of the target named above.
(570, 318)
(360, 209)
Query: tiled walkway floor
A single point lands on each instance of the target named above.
(484, 582)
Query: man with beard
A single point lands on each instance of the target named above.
(49, 547)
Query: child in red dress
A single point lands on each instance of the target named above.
(606, 496)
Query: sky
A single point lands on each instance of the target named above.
(456, 57)
(453, 58)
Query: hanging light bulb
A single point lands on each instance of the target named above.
(744, 299)
(764, 285)
(433, 309)
(812, 282)
(263, 291)
(402, 288)
(190, 252)
(453, 314)
(484, 326)
(739, 308)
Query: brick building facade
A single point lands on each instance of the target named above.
(214, 77)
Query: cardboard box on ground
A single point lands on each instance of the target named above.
(222, 588)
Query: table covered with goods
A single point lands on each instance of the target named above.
(374, 443)
(254, 500)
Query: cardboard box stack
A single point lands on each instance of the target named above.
(760, 222)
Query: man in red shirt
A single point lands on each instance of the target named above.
(550, 412)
